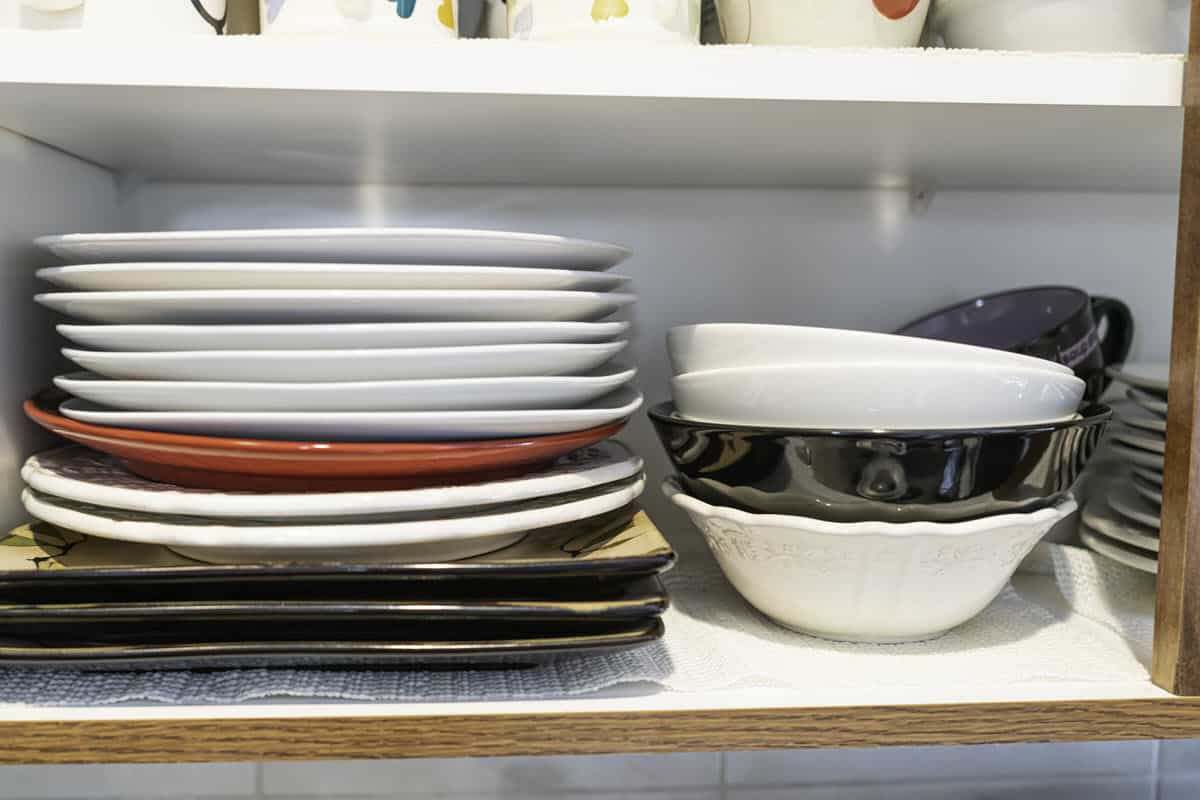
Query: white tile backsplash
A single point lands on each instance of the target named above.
(1180, 787)
(926, 764)
(499, 776)
(1109, 789)
(1180, 755)
(128, 781)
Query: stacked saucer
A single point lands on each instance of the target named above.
(1124, 524)
(346, 400)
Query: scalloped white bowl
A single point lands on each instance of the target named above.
(867, 581)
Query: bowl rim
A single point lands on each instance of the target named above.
(1050, 515)
(1094, 414)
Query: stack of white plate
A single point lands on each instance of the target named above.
(348, 334)
(1123, 524)
(435, 375)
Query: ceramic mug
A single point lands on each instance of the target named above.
(416, 19)
(823, 23)
(1106, 26)
(582, 20)
(128, 16)
(1058, 323)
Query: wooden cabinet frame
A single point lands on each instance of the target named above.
(1177, 619)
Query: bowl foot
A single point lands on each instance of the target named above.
(852, 638)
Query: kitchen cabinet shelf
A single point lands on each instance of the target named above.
(634, 724)
(996, 698)
(250, 109)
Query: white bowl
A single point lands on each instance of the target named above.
(1112, 26)
(823, 23)
(694, 348)
(896, 395)
(867, 581)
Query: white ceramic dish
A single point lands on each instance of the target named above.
(1116, 552)
(199, 275)
(1149, 402)
(1148, 475)
(1149, 490)
(1150, 377)
(321, 366)
(1141, 440)
(317, 305)
(699, 348)
(1153, 424)
(880, 396)
(86, 476)
(452, 394)
(256, 541)
(367, 426)
(867, 581)
(1129, 506)
(1139, 457)
(355, 245)
(1101, 519)
(351, 336)
(1104, 26)
(427, 20)
(823, 23)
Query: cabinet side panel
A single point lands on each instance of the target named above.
(1177, 630)
(41, 191)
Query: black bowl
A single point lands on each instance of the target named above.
(891, 476)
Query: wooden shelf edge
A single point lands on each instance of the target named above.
(590, 733)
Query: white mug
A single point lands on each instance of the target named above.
(417, 19)
(583, 20)
(128, 16)
(824, 23)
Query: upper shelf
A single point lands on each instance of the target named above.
(473, 112)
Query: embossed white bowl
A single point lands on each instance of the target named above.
(867, 581)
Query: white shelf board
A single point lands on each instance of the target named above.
(258, 109)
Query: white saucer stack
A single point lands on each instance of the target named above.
(1123, 524)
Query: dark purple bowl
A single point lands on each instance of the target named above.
(891, 476)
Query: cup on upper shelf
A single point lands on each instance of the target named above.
(1112, 26)
(409, 19)
(665, 21)
(823, 23)
(1056, 323)
(124, 16)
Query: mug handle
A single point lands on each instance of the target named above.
(218, 25)
(1118, 339)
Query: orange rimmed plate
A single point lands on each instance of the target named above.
(211, 462)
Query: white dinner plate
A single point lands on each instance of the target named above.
(1148, 489)
(323, 305)
(1139, 457)
(450, 394)
(197, 275)
(1140, 439)
(349, 336)
(322, 366)
(1151, 403)
(1103, 520)
(365, 245)
(1156, 425)
(1125, 500)
(1114, 551)
(86, 476)
(366, 426)
(1149, 475)
(1149, 376)
(335, 539)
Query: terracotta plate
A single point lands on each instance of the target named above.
(211, 462)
